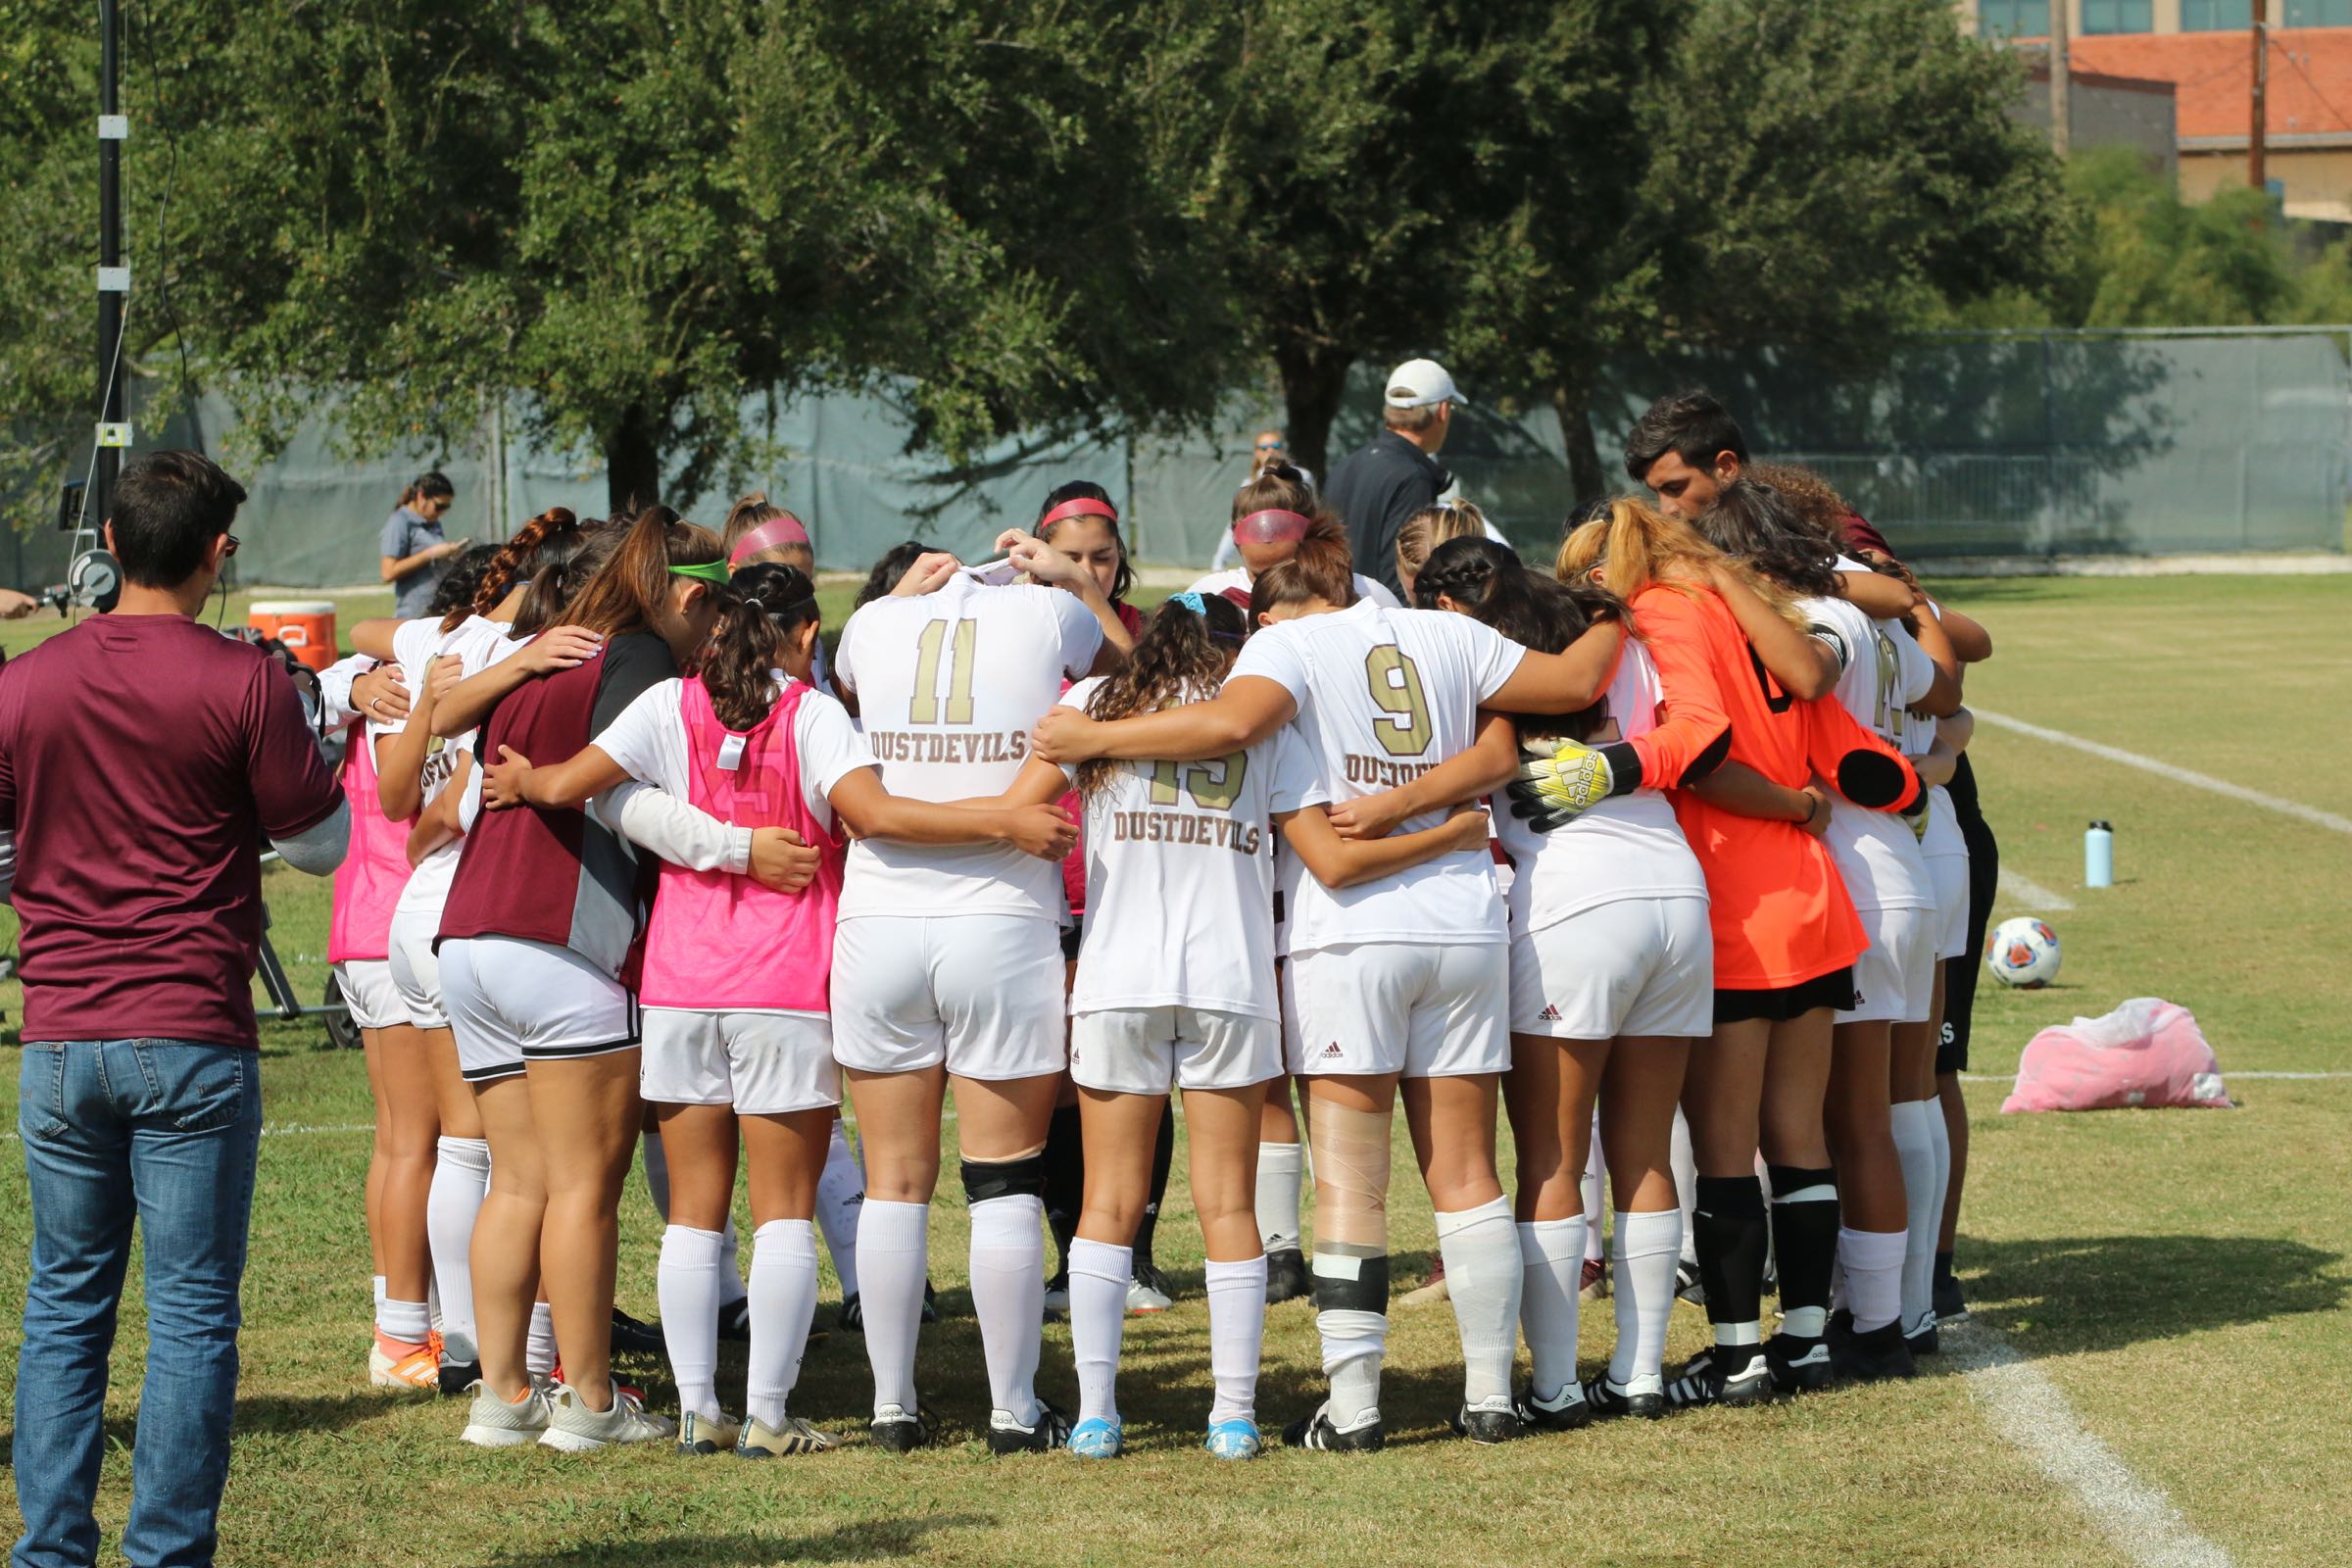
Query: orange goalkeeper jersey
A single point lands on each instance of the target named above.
(1780, 911)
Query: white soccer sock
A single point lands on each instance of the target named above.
(403, 1322)
(1591, 1187)
(1916, 1150)
(1483, 1276)
(1684, 1160)
(461, 1177)
(893, 1242)
(1281, 1172)
(1236, 1335)
(688, 1281)
(840, 1194)
(379, 1289)
(539, 1347)
(783, 1303)
(1647, 1247)
(657, 1174)
(1008, 1296)
(1552, 1255)
(1939, 1137)
(1354, 1345)
(1099, 1277)
(730, 1267)
(1874, 1276)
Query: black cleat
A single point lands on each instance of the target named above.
(735, 1322)
(1711, 1378)
(1799, 1365)
(1687, 1287)
(898, 1430)
(1489, 1426)
(636, 1337)
(1950, 1305)
(1873, 1357)
(1606, 1400)
(930, 1304)
(1564, 1411)
(459, 1377)
(852, 1315)
(1923, 1341)
(1316, 1432)
(1051, 1431)
(1287, 1278)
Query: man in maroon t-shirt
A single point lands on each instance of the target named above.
(145, 760)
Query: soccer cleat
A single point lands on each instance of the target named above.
(1490, 1424)
(1799, 1365)
(1437, 1289)
(1148, 1290)
(1950, 1305)
(1592, 1285)
(573, 1428)
(759, 1440)
(852, 1315)
(636, 1337)
(1287, 1278)
(1316, 1432)
(1707, 1379)
(1057, 1296)
(735, 1322)
(1923, 1340)
(700, 1435)
(1687, 1287)
(930, 1304)
(1564, 1411)
(456, 1378)
(1094, 1439)
(1050, 1430)
(1877, 1357)
(1606, 1400)
(392, 1364)
(495, 1423)
(1235, 1439)
(898, 1430)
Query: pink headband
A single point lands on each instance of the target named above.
(784, 530)
(1270, 527)
(1083, 507)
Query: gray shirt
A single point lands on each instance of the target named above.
(405, 534)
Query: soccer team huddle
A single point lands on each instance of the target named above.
(1654, 848)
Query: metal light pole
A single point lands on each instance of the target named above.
(114, 278)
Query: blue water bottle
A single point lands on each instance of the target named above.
(2098, 856)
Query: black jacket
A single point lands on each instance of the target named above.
(1374, 491)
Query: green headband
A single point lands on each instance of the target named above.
(709, 570)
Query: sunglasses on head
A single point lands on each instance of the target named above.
(1269, 446)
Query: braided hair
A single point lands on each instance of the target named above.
(517, 559)
(764, 602)
(1490, 583)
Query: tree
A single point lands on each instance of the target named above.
(1818, 177)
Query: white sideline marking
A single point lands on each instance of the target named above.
(2023, 889)
(2299, 1077)
(2032, 1412)
(2179, 775)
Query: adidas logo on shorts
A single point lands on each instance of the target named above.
(1550, 1015)
(1329, 1052)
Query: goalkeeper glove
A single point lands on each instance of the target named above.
(1560, 780)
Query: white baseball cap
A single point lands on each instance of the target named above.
(1421, 384)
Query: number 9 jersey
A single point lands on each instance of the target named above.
(949, 685)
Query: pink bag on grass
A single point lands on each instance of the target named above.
(2146, 1053)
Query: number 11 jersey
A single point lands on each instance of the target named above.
(949, 685)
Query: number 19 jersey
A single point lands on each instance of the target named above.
(1384, 696)
(949, 685)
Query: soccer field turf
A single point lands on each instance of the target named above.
(2178, 1278)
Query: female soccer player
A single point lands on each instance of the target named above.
(1271, 515)
(1883, 672)
(1430, 527)
(1611, 966)
(1785, 936)
(948, 964)
(1402, 979)
(736, 1042)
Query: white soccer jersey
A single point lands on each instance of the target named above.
(478, 643)
(948, 686)
(1384, 696)
(1883, 670)
(648, 739)
(1216, 582)
(1626, 847)
(1179, 877)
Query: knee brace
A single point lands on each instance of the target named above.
(984, 1180)
(1799, 1184)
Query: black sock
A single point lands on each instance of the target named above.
(1065, 1181)
(1728, 1226)
(1804, 1235)
(1163, 1156)
(1944, 1268)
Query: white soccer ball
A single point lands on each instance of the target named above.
(2023, 953)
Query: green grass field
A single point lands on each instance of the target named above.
(2179, 1276)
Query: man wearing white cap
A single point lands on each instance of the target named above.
(1374, 490)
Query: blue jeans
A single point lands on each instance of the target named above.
(165, 1131)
